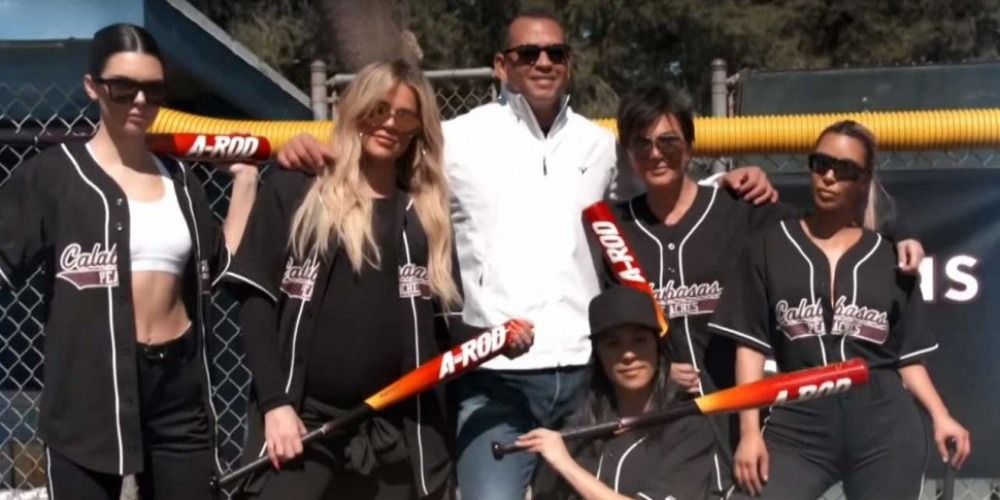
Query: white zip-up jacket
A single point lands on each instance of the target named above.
(516, 200)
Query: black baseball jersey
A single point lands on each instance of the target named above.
(277, 354)
(61, 210)
(779, 302)
(687, 263)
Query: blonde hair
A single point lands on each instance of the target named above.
(879, 208)
(338, 204)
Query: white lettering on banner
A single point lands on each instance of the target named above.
(962, 284)
(470, 351)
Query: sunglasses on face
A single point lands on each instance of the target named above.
(843, 169)
(669, 146)
(405, 121)
(123, 90)
(529, 54)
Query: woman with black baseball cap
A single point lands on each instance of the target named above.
(629, 377)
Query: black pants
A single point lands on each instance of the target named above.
(178, 459)
(873, 438)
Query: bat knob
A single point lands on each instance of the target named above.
(498, 451)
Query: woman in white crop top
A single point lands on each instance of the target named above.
(132, 249)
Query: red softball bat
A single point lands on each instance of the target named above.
(211, 147)
(786, 388)
(619, 255)
(452, 363)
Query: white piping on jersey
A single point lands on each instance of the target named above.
(919, 352)
(854, 293)
(659, 246)
(687, 326)
(253, 284)
(416, 355)
(680, 267)
(812, 283)
(225, 269)
(201, 321)
(48, 474)
(740, 334)
(111, 317)
(600, 465)
(621, 461)
(295, 341)
(643, 495)
(920, 494)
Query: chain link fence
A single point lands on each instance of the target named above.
(31, 117)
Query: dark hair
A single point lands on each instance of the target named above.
(879, 212)
(856, 131)
(529, 14)
(641, 109)
(116, 38)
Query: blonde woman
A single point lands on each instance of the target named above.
(346, 281)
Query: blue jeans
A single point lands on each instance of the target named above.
(495, 405)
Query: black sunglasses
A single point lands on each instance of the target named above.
(405, 121)
(529, 54)
(123, 90)
(843, 169)
(670, 146)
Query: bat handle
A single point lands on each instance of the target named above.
(948, 483)
(348, 419)
(500, 450)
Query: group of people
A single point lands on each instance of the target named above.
(364, 257)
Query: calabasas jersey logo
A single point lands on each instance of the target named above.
(413, 282)
(802, 320)
(688, 300)
(97, 268)
(299, 280)
(861, 322)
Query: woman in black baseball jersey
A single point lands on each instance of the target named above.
(131, 250)
(346, 280)
(687, 238)
(824, 288)
(628, 377)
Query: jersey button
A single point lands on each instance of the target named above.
(671, 246)
(119, 226)
(119, 202)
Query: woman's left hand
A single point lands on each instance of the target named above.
(751, 183)
(947, 429)
(547, 443)
(911, 252)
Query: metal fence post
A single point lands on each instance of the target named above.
(317, 81)
(720, 100)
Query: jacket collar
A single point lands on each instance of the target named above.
(522, 111)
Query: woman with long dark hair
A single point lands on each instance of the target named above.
(824, 288)
(629, 376)
(131, 250)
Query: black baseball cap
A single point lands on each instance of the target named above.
(622, 305)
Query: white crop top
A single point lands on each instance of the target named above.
(159, 239)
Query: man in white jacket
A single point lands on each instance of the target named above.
(521, 170)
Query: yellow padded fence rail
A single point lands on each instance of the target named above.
(896, 130)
